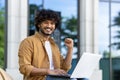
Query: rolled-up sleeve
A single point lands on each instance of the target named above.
(25, 57)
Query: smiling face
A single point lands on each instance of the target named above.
(47, 27)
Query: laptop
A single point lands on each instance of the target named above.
(85, 66)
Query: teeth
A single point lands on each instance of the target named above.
(48, 29)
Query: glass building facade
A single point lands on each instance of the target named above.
(109, 16)
(108, 31)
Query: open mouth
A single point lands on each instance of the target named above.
(48, 29)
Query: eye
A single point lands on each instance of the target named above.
(52, 23)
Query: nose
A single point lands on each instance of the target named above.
(49, 25)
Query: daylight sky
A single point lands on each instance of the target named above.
(103, 20)
(66, 7)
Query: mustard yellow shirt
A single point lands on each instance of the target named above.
(32, 53)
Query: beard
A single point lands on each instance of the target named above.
(44, 33)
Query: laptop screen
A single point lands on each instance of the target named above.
(86, 65)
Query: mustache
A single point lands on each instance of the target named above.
(48, 28)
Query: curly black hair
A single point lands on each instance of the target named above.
(46, 14)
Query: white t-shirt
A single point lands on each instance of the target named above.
(49, 52)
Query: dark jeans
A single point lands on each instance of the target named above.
(63, 78)
(82, 79)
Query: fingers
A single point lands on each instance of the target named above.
(68, 40)
(61, 72)
(58, 72)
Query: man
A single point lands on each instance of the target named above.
(38, 54)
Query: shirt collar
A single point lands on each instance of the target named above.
(42, 38)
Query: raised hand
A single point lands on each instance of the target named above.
(69, 42)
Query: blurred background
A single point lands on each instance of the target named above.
(107, 31)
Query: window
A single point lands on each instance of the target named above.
(109, 28)
(68, 28)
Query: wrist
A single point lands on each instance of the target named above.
(70, 48)
(47, 71)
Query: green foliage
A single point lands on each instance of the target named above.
(2, 37)
(106, 54)
(117, 36)
(32, 10)
(69, 29)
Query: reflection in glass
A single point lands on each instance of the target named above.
(109, 13)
